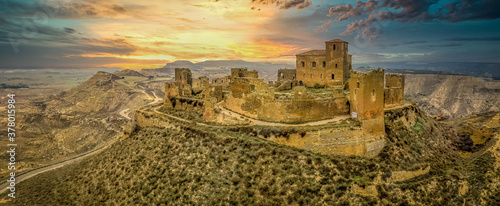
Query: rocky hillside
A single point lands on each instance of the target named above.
(165, 161)
(75, 121)
(453, 95)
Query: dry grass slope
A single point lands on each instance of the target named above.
(212, 166)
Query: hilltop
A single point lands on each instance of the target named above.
(166, 161)
(128, 72)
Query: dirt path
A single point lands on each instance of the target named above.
(33, 172)
(124, 113)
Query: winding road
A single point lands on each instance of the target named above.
(35, 171)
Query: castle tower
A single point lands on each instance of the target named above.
(330, 67)
(183, 75)
(367, 100)
(337, 59)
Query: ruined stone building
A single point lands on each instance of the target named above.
(330, 67)
(345, 93)
(183, 75)
(243, 72)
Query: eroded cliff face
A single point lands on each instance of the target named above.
(453, 95)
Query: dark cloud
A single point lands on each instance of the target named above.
(438, 46)
(286, 4)
(414, 42)
(411, 11)
(69, 30)
(344, 12)
(45, 56)
(61, 9)
(474, 39)
(470, 10)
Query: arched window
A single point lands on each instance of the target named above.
(335, 65)
(334, 47)
(333, 76)
(314, 64)
(324, 64)
(358, 84)
(303, 64)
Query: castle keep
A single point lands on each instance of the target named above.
(322, 88)
(330, 67)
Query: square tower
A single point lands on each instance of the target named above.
(183, 75)
(337, 58)
(330, 67)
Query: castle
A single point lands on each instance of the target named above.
(323, 86)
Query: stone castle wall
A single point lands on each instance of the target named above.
(183, 75)
(287, 75)
(394, 90)
(223, 81)
(287, 111)
(367, 100)
(346, 140)
(199, 84)
(243, 72)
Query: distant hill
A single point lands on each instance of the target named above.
(183, 64)
(453, 95)
(218, 68)
(477, 69)
(128, 72)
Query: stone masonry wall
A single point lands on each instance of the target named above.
(183, 75)
(367, 100)
(394, 90)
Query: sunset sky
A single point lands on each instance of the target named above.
(149, 34)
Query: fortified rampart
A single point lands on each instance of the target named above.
(288, 111)
(322, 87)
